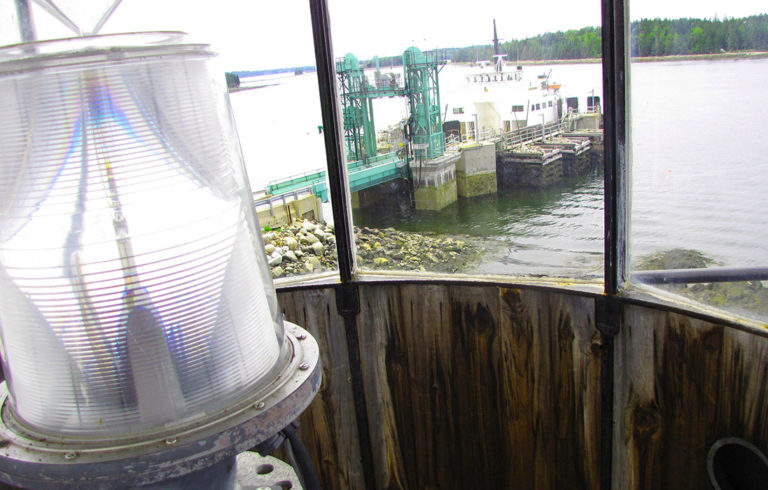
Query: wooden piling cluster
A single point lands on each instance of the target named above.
(529, 166)
(595, 137)
(547, 162)
(575, 152)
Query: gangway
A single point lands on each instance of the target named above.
(376, 170)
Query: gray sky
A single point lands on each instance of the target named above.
(252, 34)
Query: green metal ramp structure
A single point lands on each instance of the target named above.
(379, 169)
(367, 167)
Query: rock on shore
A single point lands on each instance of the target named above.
(310, 247)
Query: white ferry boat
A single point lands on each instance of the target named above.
(501, 100)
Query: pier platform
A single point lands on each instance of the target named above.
(434, 182)
(532, 157)
(476, 170)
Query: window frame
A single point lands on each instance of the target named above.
(616, 182)
(615, 34)
(615, 37)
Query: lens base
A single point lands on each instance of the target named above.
(39, 462)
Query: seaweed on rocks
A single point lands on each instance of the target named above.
(309, 247)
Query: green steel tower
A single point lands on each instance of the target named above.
(359, 130)
(423, 90)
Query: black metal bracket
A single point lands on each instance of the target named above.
(615, 21)
(608, 322)
(608, 315)
(348, 299)
(615, 128)
(348, 306)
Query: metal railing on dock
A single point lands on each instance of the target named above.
(533, 133)
(295, 182)
(453, 142)
(527, 134)
(283, 198)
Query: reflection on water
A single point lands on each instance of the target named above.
(551, 231)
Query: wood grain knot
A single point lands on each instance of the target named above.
(646, 422)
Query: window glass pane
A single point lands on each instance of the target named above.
(447, 166)
(269, 55)
(698, 166)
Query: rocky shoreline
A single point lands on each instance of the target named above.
(310, 247)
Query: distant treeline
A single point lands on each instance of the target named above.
(696, 36)
(568, 45)
(274, 71)
(650, 37)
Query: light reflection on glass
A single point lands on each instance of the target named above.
(132, 287)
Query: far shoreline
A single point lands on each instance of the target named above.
(734, 55)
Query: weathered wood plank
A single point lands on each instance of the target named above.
(398, 340)
(743, 390)
(634, 385)
(480, 387)
(555, 351)
(328, 427)
(683, 384)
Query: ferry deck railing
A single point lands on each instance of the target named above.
(453, 141)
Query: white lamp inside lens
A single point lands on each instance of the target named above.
(134, 293)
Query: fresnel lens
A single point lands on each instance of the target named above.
(138, 321)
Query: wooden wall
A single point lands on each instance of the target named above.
(491, 387)
(681, 385)
(467, 386)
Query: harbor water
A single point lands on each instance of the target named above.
(698, 168)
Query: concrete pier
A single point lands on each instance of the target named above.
(589, 121)
(434, 182)
(476, 170)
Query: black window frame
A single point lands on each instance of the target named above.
(617, 172)
(615, 36)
